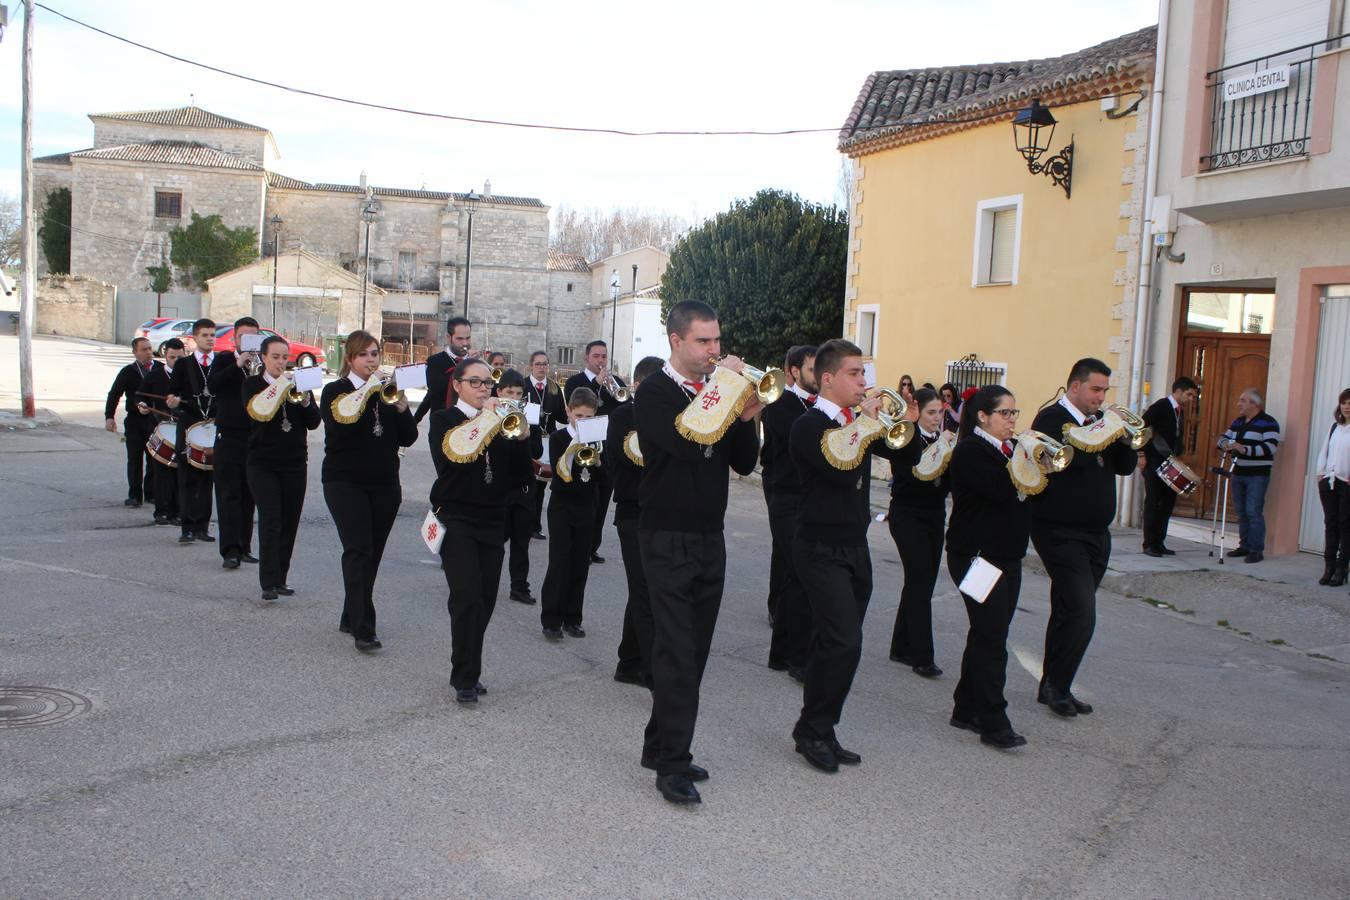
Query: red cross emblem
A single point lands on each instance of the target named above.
(431, 531)
(853, 439)
(711, 399)
(473, 434)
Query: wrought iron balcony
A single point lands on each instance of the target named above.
(1261, 109)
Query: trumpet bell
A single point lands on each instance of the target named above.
(1140, 433)
(898, 434)
(587, 455)
(514, 423)
(390, 393)
(769, 386)
(497, 374)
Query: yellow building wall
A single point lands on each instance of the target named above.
(914, 227)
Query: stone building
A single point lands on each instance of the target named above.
(569, 307)
(147, 171)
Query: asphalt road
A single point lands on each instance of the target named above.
(239, 748)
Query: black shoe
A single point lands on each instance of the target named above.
(928, 670)
(185, 538)
(230, 562)
(269, 593)
(624, 676)
(597, 558)
(466, 695)
(818, 754)
(1003, 739)
(904, 660)
(1059, 703)
(1153, 551)
(1254, 557)
(248, 557)
(678, 789)
(1084, 709)
(344, 628)
(283, 590)
(480, 688)
(1328, 570)
(204, 537)
(1165, 552)
(131, 502)
(844, 757)
(1338, 577)
(553, 634)
(523, 597)
(778, 665)
(695, 773)
(798, 673)
(175, 520)
(1240, 551)
(966, 724)
(538, 536)
(161, 519)
(365, 645)
(575, 631)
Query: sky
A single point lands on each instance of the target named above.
(632, 65)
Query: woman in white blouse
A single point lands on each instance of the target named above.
(1333, 487)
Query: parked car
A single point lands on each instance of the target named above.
(171, 328)
(148, 324)
(301, 354)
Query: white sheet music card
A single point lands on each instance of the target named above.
(308, 378)
(250, 343)
(592, 431)
(413, 376)
(433, 532)
(869, 375)
(980, 580)
(532, 412)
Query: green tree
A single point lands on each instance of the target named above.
(207, 247)
(54, 233)
(773, 268)
(161, 282)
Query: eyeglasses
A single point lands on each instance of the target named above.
(1008, 413)
(475, 382)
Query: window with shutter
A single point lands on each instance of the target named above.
(1001, 246)
(1256, 28)
(998, 224)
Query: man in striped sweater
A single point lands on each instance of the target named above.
(1252, 439)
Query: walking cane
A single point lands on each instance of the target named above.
(1217, 530)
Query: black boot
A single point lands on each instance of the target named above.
(1338, 577)
(1327, 572)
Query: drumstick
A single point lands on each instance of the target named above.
(152, 396)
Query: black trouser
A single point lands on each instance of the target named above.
(791, 642)
(984, 664)
(194, 490)
(1159, 499)
(363, 514)
(166, 489)
(603, 491)
(234, 500)
(279, 489)
(1075, 558)
(140, 480)
(472, 561)
(838, 582)
(517, 529)
(779, 558)
(1336, 518)
(569, 562)
(635, 648)
(685, 574)
(537, 490)
(917, 532)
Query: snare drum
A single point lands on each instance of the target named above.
(1178, 476)
(162, 442)
(201, 445)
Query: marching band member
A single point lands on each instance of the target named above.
(190, 393)
(1166, 418)
(360, 478)
(625, 461)
(683, 499)
(541, 389)
(598, 378)
(459, 335)
(278, 463)
(158, 384)
(234, 502)
(830, 550)
(1070, 525)
(518, 526)
(917, 514)
(470, 498)
(136, 425)
(989, 521)
(782, 482)
(571, 516)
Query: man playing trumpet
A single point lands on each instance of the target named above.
(611, 391)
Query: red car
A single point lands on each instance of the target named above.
(301, 354)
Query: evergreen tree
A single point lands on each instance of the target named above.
(206, 248)
(54, 233)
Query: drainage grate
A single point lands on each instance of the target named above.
(25, 707)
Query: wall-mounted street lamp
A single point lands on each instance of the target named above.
(1033, 130)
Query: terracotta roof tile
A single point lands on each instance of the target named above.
(283, 182)
(560, 261)
(179, 153)
(183, 116)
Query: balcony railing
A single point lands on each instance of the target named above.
(1261, 109)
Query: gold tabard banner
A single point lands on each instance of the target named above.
(712, 412)
(563, 467)
(631, 448)
(845, 448)
(465, 441)
(1095, 437)
(935, 459)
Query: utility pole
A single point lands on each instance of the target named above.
(28, 237)
(276, 264)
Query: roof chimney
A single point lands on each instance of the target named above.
(364, 189)
(487, 189)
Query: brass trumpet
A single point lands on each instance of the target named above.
(390, 393)
(1140, 434)
(514, 423)
(588, 455)
(769, 385)
(615, 390)
(1046, 450)
(497, 373)
(899, 430)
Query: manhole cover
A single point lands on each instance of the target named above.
(22, 707)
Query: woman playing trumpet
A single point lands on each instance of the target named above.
(278, 456)
(571, 516)
(470, 499)
(360, 476)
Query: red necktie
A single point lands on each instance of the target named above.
(539, 387)
(848, 415)
(203, 360)
(694, 386)
(811, 400)
(1007, 449)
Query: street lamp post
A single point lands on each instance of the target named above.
(470, 201)
(368, 214)
(614, 317)
(276, 264)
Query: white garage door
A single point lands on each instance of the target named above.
(1333, 376)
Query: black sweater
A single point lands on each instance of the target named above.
(130, 382)
(577, 490)
(461, 491)
(778, 472)
(268, 443)
(227, 383)
(836, 506)
(440, 366)
(627, 475)
(160, 382)
(552, 413)
(354, 453)
(1084, 494)
(189, 383)
(987, 518)
(607, 402)
(682, 488)
(909, 492)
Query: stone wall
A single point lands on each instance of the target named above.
(326, 224)
(117, 235)
(75, 306)
(569, 320)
